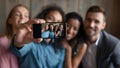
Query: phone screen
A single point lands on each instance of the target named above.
(49, 30)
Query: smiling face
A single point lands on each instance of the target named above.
(54, 16)
(46, 27)
(73, 26)
(19, 15)
(51, 27)
(94, 23)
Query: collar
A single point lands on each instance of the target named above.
(96, 43)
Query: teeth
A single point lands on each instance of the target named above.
(22, 21)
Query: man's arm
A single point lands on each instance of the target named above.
(116, 56)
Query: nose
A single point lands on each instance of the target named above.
(91, 24)
(22, 16)
(70, 30)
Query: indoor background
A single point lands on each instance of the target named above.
(111, 7)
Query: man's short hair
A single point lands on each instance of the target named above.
(96, 8)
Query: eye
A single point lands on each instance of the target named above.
(68, 25)
(97, 22)
(75, 29)
(88, 19)
(17, 14)
(26, 16)
(50, 18)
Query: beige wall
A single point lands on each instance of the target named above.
(80, 6)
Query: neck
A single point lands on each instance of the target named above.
(14, 30)
(92, 39)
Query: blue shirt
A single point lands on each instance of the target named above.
(51, 34)
(42, 55)
(45, 34)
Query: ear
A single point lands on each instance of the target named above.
(103, 25)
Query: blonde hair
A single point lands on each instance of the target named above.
(8, 27)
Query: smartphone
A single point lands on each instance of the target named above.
(36, 30)
(49, 30)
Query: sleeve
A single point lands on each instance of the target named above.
(62, 57)
(116, 56)
(4, 44)
(22, 51)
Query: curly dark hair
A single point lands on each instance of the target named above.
(47, 9)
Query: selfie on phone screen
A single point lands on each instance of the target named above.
(49, 30)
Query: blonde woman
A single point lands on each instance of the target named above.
(19, 14)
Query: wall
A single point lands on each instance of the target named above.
(80, 6)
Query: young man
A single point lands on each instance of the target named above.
(103, 49)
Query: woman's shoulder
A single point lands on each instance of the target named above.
(3, 36)
(4, 41)
(78, 47)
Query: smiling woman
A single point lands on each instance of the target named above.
(74, 41)
(79, 6)
(35, 54)
(19, 14)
